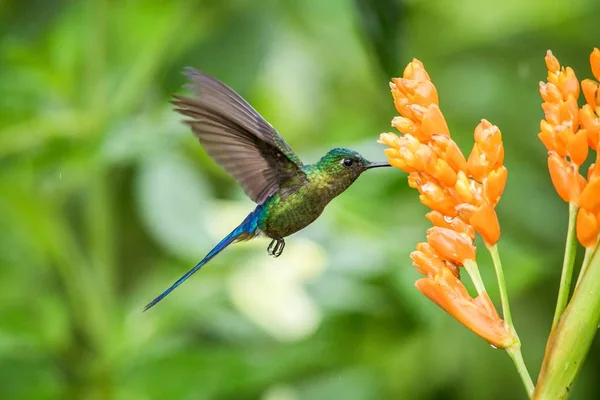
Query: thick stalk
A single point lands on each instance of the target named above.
(570, 342)
(567, 268)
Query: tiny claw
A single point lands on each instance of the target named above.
(276, 247)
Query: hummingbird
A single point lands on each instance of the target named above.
(289, 194)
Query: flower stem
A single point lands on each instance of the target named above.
(569, 344)
(589, 252)
(501, 285)
(567, 269)
(514, 352)
(473, 271)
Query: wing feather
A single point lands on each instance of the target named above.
(238, 138)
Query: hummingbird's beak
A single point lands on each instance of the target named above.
(378, 165)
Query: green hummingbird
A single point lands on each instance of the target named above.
(289, 194)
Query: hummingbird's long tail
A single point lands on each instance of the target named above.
(246, 229)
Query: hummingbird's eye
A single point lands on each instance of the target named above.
(347, 162)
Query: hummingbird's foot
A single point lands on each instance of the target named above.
(276, 247)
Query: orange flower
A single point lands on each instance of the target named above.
(595, 63)
(559, 131)
(416, 99)
(451, 245)
(478, 314)
(568, 133)
(588, 217)
(461, 193)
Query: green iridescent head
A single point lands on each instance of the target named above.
(345, 165)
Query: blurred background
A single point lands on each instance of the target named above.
(106, 199)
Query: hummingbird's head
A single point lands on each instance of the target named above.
(345, 165)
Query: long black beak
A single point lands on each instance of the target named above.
(378, 165)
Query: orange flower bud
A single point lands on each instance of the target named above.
(591, 92)
(564, 177)
(431, 194)
(485, 222)
(405, 125)
(427, 262)
(478, 315)
(455, 223)
(417, 91)
(389, 139)
(494, 185)
(415, 70)
(552, 62)
(578, 147)
(433, 122)
(587, 228)
(595, 63)
(550, 92)
(591, 123)
(463, 187)
(590, 196)
(569, 84)
(547, 135)
(444, 173)
(447, 149)
(487, 153)
(451, 245)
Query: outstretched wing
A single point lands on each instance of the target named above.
(238, 138)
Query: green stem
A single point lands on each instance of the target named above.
(501, 285)
(569, 343)
(589, 252)
(567, 268)
(515, 354)
(473, 271)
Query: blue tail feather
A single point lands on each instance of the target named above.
(247, 227)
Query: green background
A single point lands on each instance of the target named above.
(106, 199)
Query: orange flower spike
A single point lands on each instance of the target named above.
(591, 92)
(449, 294)
(455, 223)
(595, 63)
(485, 221)
(487, 153)
(587, 228)
(563, 177)
(451, 245)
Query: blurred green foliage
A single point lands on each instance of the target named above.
(105, 199)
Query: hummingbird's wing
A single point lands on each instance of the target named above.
(238, 138)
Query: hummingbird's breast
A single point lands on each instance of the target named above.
(287, 213)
